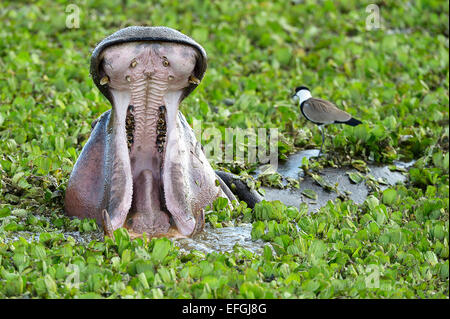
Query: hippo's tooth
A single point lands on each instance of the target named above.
(194, 80)
(107, 226)
(161, 129)
(104, 80)
(129, 127)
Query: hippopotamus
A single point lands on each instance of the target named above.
(142, 167)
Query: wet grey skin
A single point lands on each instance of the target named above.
(142, 167)
(321, 112)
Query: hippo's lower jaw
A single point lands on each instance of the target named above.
(142, 163)
(143, 186)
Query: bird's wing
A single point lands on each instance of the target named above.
(322, 111)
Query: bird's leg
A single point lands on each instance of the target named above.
(323, 139)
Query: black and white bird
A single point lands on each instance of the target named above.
(321, 112)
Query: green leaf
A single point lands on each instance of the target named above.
(50, 284)
(318, 248)
(14, 285)
(143, 280)
(267, 253)
(355, 177)
(372, 202)
(389, 196)
(5, 212)
(310, 193)
(444, 271)
(122, 239)
(431, 258)
(160, 249)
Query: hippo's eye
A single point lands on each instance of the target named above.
(133, 63)
(166, 62)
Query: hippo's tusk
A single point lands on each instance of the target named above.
(107, 226)
(193, 80)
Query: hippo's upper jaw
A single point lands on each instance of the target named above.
(142, 162)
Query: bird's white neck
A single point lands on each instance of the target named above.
(303, 95)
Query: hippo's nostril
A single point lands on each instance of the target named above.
(128, 78)
(170, 77)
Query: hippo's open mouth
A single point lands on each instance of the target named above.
(146, 81)
(142, 167)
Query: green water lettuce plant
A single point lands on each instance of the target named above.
(395, 79)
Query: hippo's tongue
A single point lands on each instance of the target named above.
(146, 214)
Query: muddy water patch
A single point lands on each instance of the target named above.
(336, 177)
(222, 240)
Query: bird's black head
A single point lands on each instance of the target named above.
(298, 88)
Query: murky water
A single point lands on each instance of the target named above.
(224, 239)
(334, 176)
